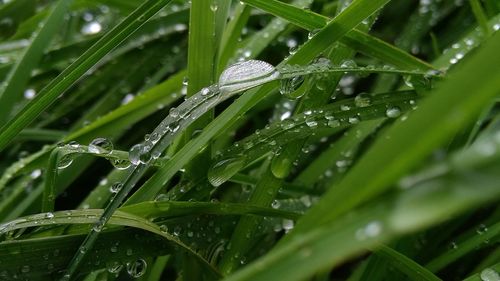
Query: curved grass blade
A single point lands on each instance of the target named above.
(75, 71)
(90, 216)
(163, 135)
(143, 105)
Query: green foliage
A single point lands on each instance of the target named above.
(249, 140)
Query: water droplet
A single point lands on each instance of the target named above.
(29, 94)
(224, 170)
(64, 161)
(276, 204)
(74, 145)
(114, 188)
(136, 268)
(36, 173)
(91, 28)
(333, 123)
(114, 267)
(214, 7)
(100, 146)
(348, 64)
(353, 120)
(245, 75)
(312, 33)
(371, 230)
(287, 224)
(489, 274)
(393, 112)
(139, 154)
(49, 215)
(288, 87)
(362, 100)
(481, 229)
(345, 107)
(310, 122)
(120, 164)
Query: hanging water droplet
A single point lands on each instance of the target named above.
(64, 161)
(214, 7)
(245, 75)
(100, 146)
(120, 164)
(393, 112)
(224, 170)
(136, 268)
(139, 154)
(288, 87)
(287, 224)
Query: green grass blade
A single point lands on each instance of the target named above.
(13, 87)
(435, 125)
(406, 265)
(77, 69)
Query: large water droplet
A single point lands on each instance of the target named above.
(65, 161)
(245, 75)
(393, 112)
(120, 164)
(224, 170)
(100, 146)
(489, 274)
(139, 153)
(289, 87)
(136, 268)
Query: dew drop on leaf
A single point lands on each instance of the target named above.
(244, 75)
(139, 154)
(489, 274)
(393, 112)
(100, 146)
(136, 268)
(65, 161)
(224, 170)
